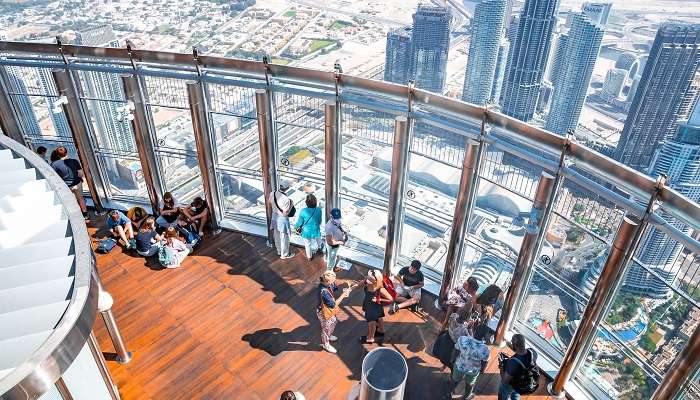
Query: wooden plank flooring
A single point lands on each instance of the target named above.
(235, 322)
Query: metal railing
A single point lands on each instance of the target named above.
(356, 112)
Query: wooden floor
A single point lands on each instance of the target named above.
(235, 322)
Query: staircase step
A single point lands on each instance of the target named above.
(33, 252)
(14, 164)
(28, 188)
(24, 175)
(35, 319)
(6, 154)
(30, 273)
(36, 294)
(16, 350)
(31, 202)
(31, 218)
(55, 230)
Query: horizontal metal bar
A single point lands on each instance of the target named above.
(301, 92)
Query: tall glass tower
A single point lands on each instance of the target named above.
(527, 58)
(664, 95)
(581, 53)
(559, 59)
(679, 159)
(430, 46)
(398, 55)
(487, 30)
(500, 70)
(25, 111)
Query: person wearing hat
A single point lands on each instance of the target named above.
(281, 209)
(335, 236)
(408, 289)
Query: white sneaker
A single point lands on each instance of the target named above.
(333, 338)
(288, 255)
(329, 348)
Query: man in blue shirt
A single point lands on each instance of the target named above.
(120, 227)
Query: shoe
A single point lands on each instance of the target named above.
(379, 334)
(363, 340)
(288, 255)
(333, 338)
(393, 308)
(329, 348)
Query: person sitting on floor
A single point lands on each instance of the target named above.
(174, 251)
(137, 215)
(408, 289)
(198, 214)
(168, 211)
(120, 227)
(148, 241)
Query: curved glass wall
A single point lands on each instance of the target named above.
(646, 324)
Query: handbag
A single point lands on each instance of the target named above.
(292, 211)
(443, 349)
(299, 229)
(326, 311)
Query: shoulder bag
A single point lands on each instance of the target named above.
(328, 312)
(298, 230)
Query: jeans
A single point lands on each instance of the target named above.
(281, 242)
(506, 392)
(165, 224)
(152, 251)
(332, 257)
(312, 244)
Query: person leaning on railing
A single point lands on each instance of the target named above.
(308, 226)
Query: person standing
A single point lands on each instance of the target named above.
(408, 291)
(309, 226)
(375, 296)
(471, 361)
(168, 211)
(41, 152)
(514, 370)
(328, 308)
(281, 211)
(71, 172)
(335, 237)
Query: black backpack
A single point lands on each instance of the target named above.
(529, 379)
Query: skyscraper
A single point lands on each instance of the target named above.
(559, 59)
(500, 70)
(527, 58)
(679, 160)
(581, 53)
(59, 120)
(597, 12)
(430, 47)
(25, 111)
(487, 30)
(663, 96)
(398, 55)
(614, 82)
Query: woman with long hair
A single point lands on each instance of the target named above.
(71, 172)
(373, 305)
(328, 308)
(148, 241)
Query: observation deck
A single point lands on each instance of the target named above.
(598, 261)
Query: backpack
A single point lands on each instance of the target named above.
(529, 379)
(389, 286)
(191, 237)
(106, 245)
(166, 256)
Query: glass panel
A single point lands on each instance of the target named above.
(235, 127)
(367, 139)
(300, 139)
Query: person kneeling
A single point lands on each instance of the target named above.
(148, 241)
(408, 290)
(470, 362)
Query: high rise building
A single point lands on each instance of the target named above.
(500, 70)
(112, 133)
(614, 82)
(545, 97)
(430, 45)
(558, 60)
(581, 53)
(679, 159)
(48, 87)
(597, 12)
(527, 58)
(487, 31)
(398, 55)
(25, 111)
(664, 94)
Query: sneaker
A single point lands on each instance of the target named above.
(288, 255)
(329, 348)
(393, 309)
(333, 338)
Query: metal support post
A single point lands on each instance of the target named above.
(63, 389)
(399, 172)
(682, 371)
(102, 366)
(104, 306)
(267, 159)
(79, 128)
(333, 157)
(9, 122)
(143, 139)
(468, 187)
(206, 156)
(536, 228)
(628, 237)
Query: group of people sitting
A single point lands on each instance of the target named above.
(171, 236)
